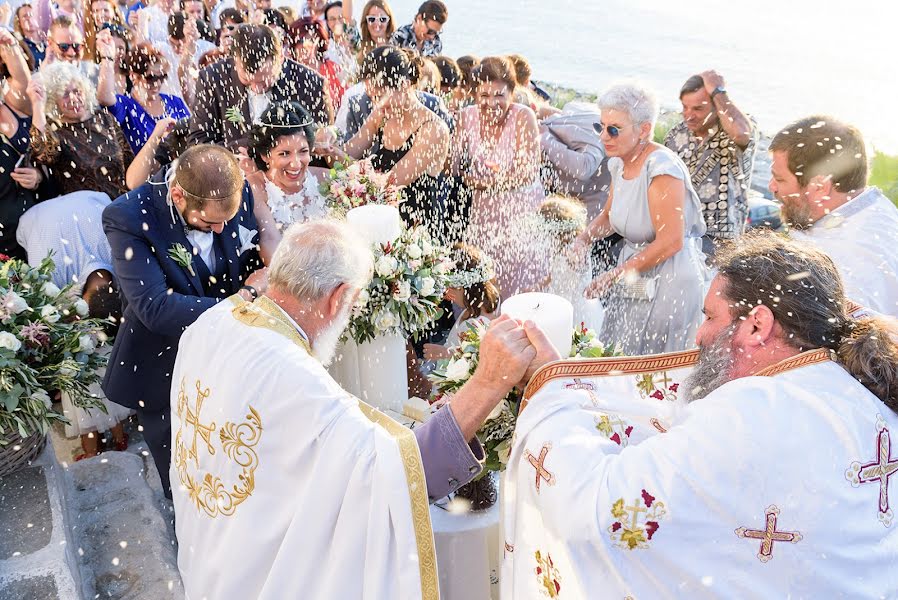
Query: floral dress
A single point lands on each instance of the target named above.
(306, 205)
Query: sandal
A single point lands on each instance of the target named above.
(84, 455)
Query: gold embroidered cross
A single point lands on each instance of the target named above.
(541, 471)
(769, 534)
(199, 430)
(635, 510)
(878, 471)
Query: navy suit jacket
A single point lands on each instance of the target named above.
(161, 298)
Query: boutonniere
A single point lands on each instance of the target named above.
(234, 115)
(245, 238)
(183, 257)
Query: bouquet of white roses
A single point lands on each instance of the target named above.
(495, 433)
(348, 187)
(46, 345)
(405, 293)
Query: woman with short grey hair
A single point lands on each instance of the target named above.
(653, 297)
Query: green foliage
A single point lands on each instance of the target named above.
(666, 121)
(884, 174)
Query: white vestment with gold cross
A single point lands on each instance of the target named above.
(773, 486)
(284, 485)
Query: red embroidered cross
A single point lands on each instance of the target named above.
(769, 534)
(878, 471)
(541, 471)
(579, 385)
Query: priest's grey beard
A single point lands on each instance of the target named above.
(714, 367)
(325, 345)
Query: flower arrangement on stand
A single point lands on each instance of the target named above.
(47, 345)
(495, 433)
(405, 293)
(358, 184)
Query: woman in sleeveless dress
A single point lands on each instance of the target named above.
(654, 295)
(404, 138)
(496, 152)
(280, 146)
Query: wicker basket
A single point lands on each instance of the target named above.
(18, 453)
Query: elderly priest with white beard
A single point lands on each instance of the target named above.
(284, 484)
(778, 480)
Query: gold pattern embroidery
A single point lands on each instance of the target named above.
(207, 491)
(547, 575)
(769, 534)
(635, 525)
(266, 314)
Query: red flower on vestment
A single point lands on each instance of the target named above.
(674, 387)
(650, 528)
(628, 430)
(615, 526)
(615, 438)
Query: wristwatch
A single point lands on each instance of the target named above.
(718, 90)
(252, 291)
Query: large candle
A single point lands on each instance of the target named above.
(379, 223)
(553, 314)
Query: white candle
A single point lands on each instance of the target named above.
(379, 223)
(553, 314)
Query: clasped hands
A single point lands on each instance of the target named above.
(510, 353)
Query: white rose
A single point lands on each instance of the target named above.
(497, 410)
(458, 370)
(426, 247)
(86, 344)
(364, 297)
(9, 341)
(503, 450)
(50, 289)
(443, 267)
(42, 396)
(49, 313)
(81, 307)
(386, 265)
(413, 251)
(15, 303)
(385, 321)
(428, 286)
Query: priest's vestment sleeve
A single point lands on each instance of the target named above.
(285, 485)
(745, 493)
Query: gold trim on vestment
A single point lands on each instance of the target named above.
(805, 359)
(266, 314)
(609, 366)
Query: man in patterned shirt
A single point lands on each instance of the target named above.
(423, 34)
(717, 142)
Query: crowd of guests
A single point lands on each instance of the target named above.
(101, 98)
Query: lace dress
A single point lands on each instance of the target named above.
(306, 205)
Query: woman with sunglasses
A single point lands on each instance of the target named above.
(138, 112)
(496, 154)
(377, 26)
(653, 297)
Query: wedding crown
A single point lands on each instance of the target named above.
(482, 273)
(274, 126)
(557, 226)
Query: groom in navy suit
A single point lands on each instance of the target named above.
(178, 248)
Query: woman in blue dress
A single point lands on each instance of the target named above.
(138, 112)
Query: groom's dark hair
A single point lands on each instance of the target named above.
(254, 44)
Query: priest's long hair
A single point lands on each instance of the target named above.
(803, 289)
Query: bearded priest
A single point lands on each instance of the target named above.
(284, 484)
(778, 479)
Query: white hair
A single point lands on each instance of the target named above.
(56, 77)
(633, 98)
(315, 258)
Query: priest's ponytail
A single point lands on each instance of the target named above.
(868, 349)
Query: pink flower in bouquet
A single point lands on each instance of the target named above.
(358, 190)
(35, 334)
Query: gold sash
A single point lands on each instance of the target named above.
(268, 315)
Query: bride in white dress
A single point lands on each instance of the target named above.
(281, 147)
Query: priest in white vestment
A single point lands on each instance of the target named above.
(286, 486)
(819, 173)
(778, 478)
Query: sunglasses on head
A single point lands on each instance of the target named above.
(66, 47)
(613, 130)
(383, 20)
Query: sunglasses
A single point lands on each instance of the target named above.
(66, 47)
(153, 78)
(431, 33)
(613, 131)
(382, 20)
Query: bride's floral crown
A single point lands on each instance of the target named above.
(485, 271)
